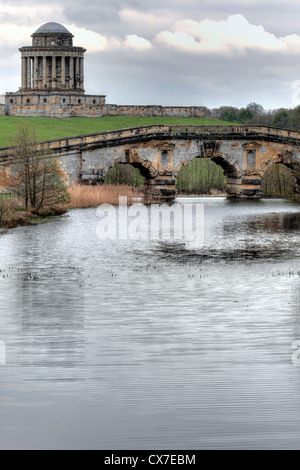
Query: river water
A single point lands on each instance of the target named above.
(126, 344)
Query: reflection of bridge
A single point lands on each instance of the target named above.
(244, 152)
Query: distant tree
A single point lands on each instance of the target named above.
(124, 174)
(262, 120)
(244, 115)
(201, 176)
(35, 175)
(228, 113)
(279, 181)
(281, 119)
(294, 121)
(256, 109)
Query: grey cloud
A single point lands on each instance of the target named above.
(103, 17)
(166, 76)
(174, 78)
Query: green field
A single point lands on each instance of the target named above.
(52, 128)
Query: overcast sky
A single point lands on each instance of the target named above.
(171, 52)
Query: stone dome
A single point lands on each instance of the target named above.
(52, 28)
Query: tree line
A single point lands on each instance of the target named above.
(255, 114)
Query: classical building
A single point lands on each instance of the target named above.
(52, 78)
(52, 83)
(52, 63)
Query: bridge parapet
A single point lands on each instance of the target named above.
(145, 133)
(160, 132)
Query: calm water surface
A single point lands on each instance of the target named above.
(148, 344)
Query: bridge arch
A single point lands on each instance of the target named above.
(288, 159)
(279, 179)
(145, 167)
(156, 186)
(231, 171)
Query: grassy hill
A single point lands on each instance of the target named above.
(52, 128)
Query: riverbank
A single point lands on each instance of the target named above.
(13, 214)
(211, 193)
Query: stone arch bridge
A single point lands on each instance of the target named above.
(244, 152)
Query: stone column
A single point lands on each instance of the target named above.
(54, 72)
(63, 71)
(44, 72)
(71, 72)
(82, 73)
(35, 72)
(24, 72)
(28, 73)
(77, 73)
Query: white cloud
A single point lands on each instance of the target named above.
(95, 42)
(92, 41)
(292, 43)
(235, 35)
(12, 35)
(136, 42)
(18, 23)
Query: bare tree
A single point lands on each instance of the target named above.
(4, 210)
(35, 174)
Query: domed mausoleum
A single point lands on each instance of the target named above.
(52, 62)
(52, 78)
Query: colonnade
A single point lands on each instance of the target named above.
(52, 72)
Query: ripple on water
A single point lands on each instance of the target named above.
(152, 344)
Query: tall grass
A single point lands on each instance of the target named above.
(83, 196)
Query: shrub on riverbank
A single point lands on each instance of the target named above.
(83, 196)
(13, 214)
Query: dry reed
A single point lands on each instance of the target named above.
(83, 196)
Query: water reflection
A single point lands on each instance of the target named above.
(239, 231)
(148, 344)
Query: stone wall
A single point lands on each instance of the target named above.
(55, 105)
(68, 105)
(3, 110)
(152, 110)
